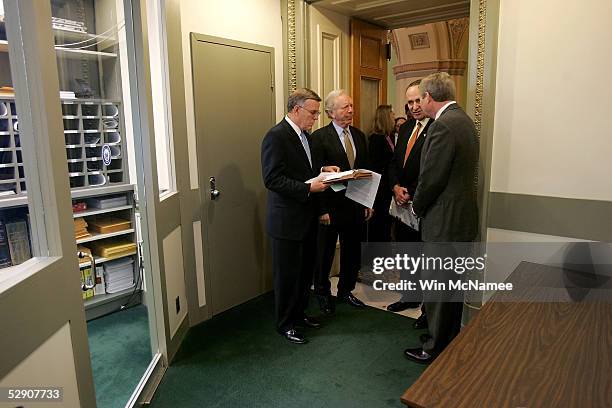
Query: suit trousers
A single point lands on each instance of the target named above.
(443, 317)
(293, 264)
(404, 233)
(351, 236)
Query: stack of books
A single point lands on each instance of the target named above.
(80, 228)
(119, 275)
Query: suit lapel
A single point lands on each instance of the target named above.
(297, 144)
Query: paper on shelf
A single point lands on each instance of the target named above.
(363, 190)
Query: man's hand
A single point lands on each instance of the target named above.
(369, 212)
(331, 169)
(317, 186)
(401, 194)
(324, 219)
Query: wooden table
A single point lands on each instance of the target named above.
(532, 353)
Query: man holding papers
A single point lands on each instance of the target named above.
(288, 161)
(345, 146)
(403, 178)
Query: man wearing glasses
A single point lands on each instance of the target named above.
(288, 161)
(344, 146)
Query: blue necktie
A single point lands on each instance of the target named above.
(306, 146)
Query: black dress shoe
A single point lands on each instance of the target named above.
(418, 355)
(309, 322)
(294, 337)
(327, 304)
(351, 300)
(399, 306)
(421, 322)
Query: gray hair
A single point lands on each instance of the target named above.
(439, 86)
(330, 100)
(299, 96)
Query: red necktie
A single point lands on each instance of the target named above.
(412, 141)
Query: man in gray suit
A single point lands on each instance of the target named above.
(444, 199)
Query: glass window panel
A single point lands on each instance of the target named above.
(15, 231)
(161, 101)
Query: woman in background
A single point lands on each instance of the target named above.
(381, 146)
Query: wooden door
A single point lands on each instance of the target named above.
(368, 71)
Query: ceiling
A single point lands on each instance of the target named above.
(398, 13)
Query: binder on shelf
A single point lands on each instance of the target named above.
(87, 278)
(19, 241)
(109, 224)
(5, 254)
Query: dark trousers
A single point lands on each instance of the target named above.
(293, 264)
(351, 235)
(379, 226)
(404, 233)
(443, 315)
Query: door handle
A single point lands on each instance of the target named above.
(214, 193)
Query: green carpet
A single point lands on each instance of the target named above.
(120, 352)
(237, 359)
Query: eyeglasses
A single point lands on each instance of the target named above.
(314, 113)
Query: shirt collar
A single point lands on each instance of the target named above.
(443, 108)
(295, 127)
(423, 122)
(339, 130)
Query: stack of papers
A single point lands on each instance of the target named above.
(119, 275)
(107, 202)
(80, 228)
(67, 95)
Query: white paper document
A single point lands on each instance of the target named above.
(404, 214)
(321, 176)
(363, 191)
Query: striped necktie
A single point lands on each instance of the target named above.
(350, 154)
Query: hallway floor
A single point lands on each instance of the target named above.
(237, 359)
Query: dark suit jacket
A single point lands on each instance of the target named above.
(407, 176)
(328, 145)
(445, 197)
(285, 168)
(381, 156)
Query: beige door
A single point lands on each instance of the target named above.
(368, 71)
(233, 85)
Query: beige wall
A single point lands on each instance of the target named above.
(253, 21)
(553, 135)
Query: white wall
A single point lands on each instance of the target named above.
(50, 365)
(253, 21)
(553, 134)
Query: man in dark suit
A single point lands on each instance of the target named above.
(287, 162)
(445, 199)
(404, 176)
(344, 146)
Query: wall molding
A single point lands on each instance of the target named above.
(453, 67)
